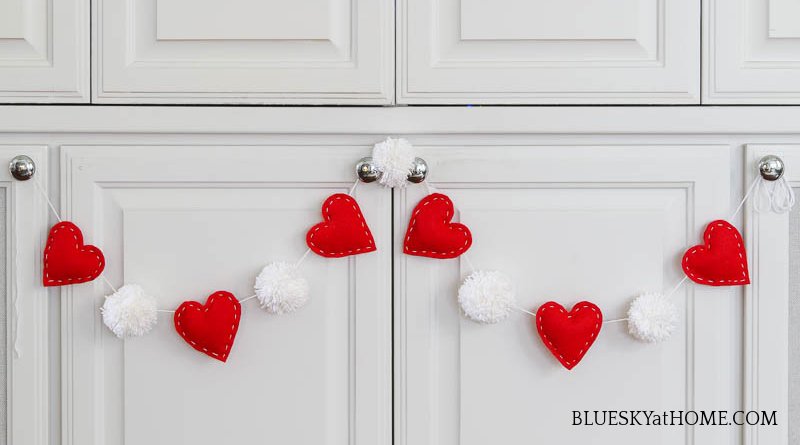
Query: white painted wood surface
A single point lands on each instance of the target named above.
(186, 221)
(27, 375)
(539, 52)
(44, 51)
(751, 52)
(567, 223)
(766, 328)
(270, 51)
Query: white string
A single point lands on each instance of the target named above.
(616, 320)
(677, 286)
(746, 195)
(17, 309)
(353, 188)
(46, 198)
(780, 198)
(240, 301)
(302, 258)
(429, 186)
(469, 263)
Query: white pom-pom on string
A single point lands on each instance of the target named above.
(394, 158)
(130, 312)
(486, 296)
(652, 317)
(280, 288)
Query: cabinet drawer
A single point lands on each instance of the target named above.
(44, 51)
(538, 51)
(243, 51)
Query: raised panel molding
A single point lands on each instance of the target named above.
(44, 51)
(307, 52)
(751, 52)
(531, 52)
(461, 383)
(197, 227)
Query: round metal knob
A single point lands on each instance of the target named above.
(418, 171)
(22, 167)
(771, 167)
(366, 170)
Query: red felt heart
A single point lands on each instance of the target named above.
(67, 260)
(430, 232)
(722, 261)
(210, 328)
(344, 231)
(569, 335)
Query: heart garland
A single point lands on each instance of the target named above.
(430, 232)
(721, 261)
(344, 231)
(210, 328)
(569, 335)
(67, 260)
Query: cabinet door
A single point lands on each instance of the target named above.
(751, 52)
(567, 223)
(545, 52)
(243, 51)
(44, 51)
(772, 308)
(24, 384)
(187, 221)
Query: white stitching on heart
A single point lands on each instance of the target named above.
(207, 306)
(742, 263)
(447, 219)
(586, 345)
(70, 227)
(326, 214)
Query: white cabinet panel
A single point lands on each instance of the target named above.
(44, 51)
(245, 51)
(567, 223)
(538, 51)
(767, 336)
(187, 221)
(751, 51)
(25, 351)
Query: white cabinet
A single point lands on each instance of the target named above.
(243, 51)
(568, 223)
(185, 221)
(44, 51)
(751, 52)
(540, 51)
(25, 325)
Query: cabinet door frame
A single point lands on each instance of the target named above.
(89, 173)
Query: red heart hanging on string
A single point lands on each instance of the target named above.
(67, 260)
(210, 328)
(568, 335)
(344, 231)
(722, 261)
(430, 232)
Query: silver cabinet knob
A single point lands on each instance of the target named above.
(22, 167)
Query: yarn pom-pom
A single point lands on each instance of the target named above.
(394, 159)
(652, 317)
(486, 296)
(280, 288)
(130, 311)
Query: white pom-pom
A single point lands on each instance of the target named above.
(652, 317)
(486, 296)
(280, 288)
(393, 158)
(130, 312)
